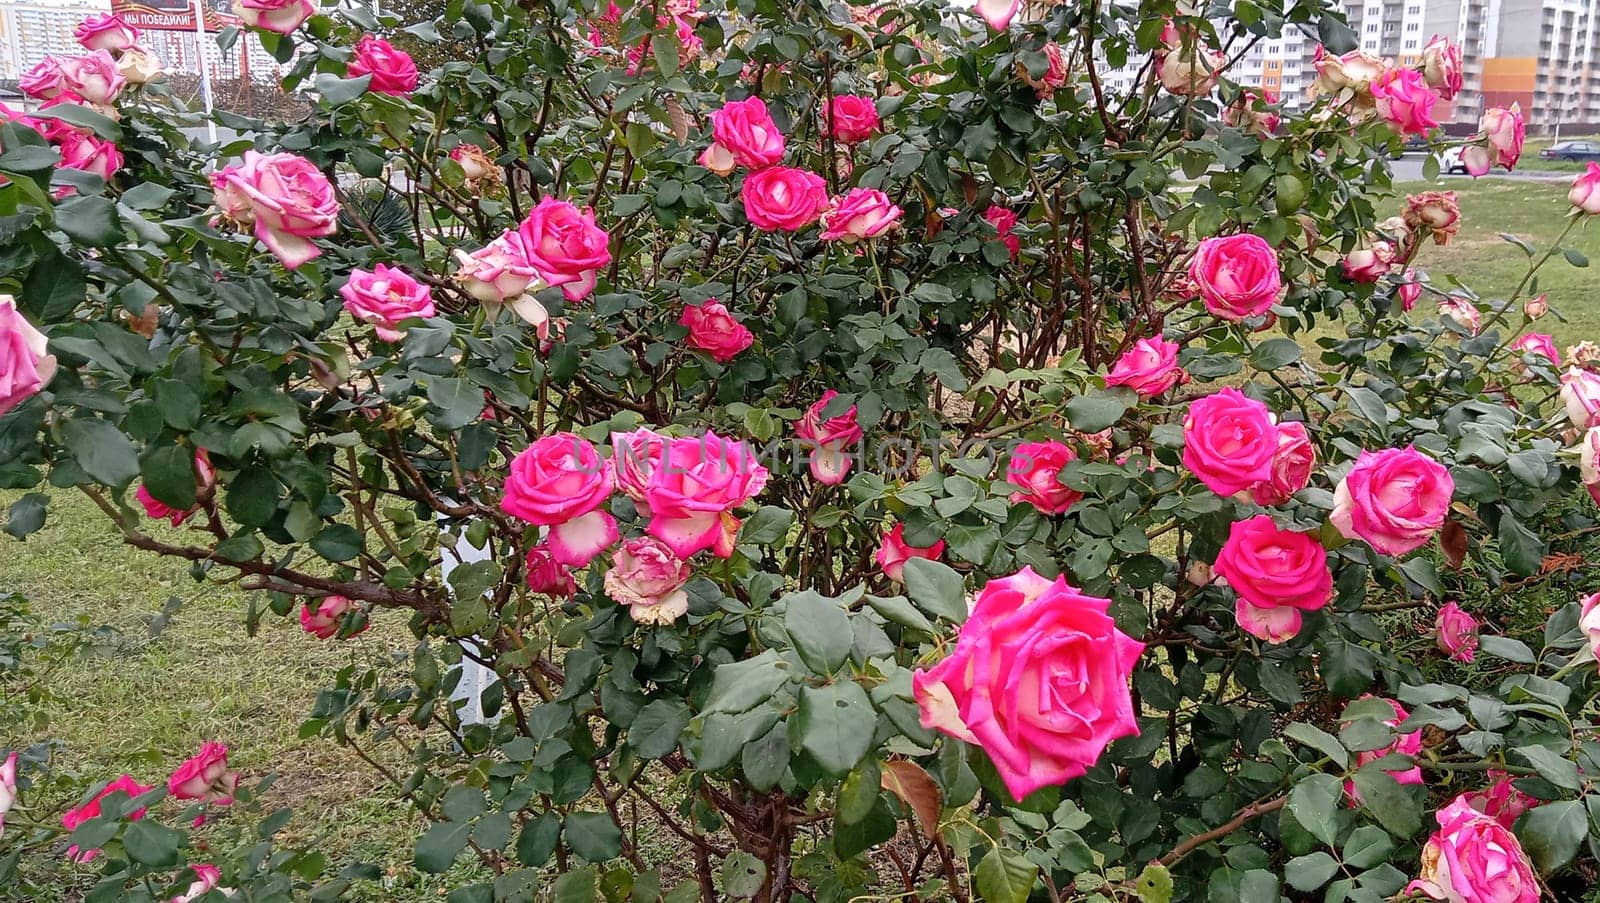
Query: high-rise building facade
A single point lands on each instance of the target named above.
(31, 30)
(1544, 57)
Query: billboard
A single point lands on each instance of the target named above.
(175, 15)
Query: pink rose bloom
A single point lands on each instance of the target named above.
(1004, 220)
(1536, 307)
(894, 552)
(1254, 112)
(1150, 367)
(83, 152)
(1229, 441)
(1292, 464)
(1276, 574)
(547, 576)
(1435, 213)
(635, 456)
(783, 199)
(1580, 392)
(1441, 67)
(94, 78)
(281, 16)
(1538, 343)
(851, 118)
(564, 246)
(1403, 744)
(476, 165)
(1367, 265)
(561, 482)
(1054, 75)
(386, 297)
(1585, 193)
(713, 329)
(392, 70)
(647, 578)
(1456, 632)
(323, 621)
(1504, 130)
(998, 13)
(1408, 290)
(106, 31)
(1474, 858)
(207, 877)
(25, 368)
(1394, 499)
(1501, 801)
(289, 201)
(742, 134)
(205, 776)
(1039, 678)
(497, 272)
(205, 479)
(1589, 462)
(72, 818)
(858, 214)
(1184, 64)
(1462, 311)
(45, 80)
(1237, 276)
(8, 787)
(1589, 622)
(1405, 101)
(1035, 468)
(830, 439)
(692, 495)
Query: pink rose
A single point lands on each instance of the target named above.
(1229, 441)
(1589, 622)
(1504, 130)
(392, 70)
(206, 878)
(90, 810)
(25, 368)
(1003, 221)
(1405, 101)
(476, 166)
(1456, 632)
(1185, 65)
(106, 31)
(1585, 193)
(561, 482)
(83, 152)
(1408, 744)
(1463, 312)
(1441, 66)
(1435, 213)
(1536, 307)
(281, 16)
(851, 118)
(547, 576)
(693, 492)
(1580, 392)
(1035, 468)
(1538, 343)
(1150, 367)
(998, 13)
(93, 77)
(648, 578)
(1367, 265)
(324, 621)
(386, 297)
(742, 134)
(289, 202)
(783, 199)
(8, 787)
(713, 329)
(858, 214)
(564, 246)
(1394, 499)
(205, 777)
(635, 456)
(1356, 70)
(1054, 75)
(1501, 801)
(497, 272)
(1237, 275)
(1039, 678)
(894, 552)
(1408, 290)
(1583, 354)
(1474, 858)
(44, 80)
(1589, 462)
(1254, 112)
(1292, 464)
(205, 479)
(1276, 574)
(830, 439)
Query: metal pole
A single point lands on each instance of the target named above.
(205, 73)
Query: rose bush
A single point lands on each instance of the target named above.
(824, 452)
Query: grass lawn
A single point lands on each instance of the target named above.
(151, 701)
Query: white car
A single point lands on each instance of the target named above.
(1451, 161)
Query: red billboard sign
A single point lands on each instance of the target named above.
(174, 15)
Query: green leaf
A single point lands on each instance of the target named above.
(459, 401)
(1314, 802)
(1520, 548)
(101, 124)
(1274, 354)
(657, 727)
(90, 220)
(1154, 884)
(768, 525)
(1319, 740)
(899, 610)
(593, 835)
(151, 843)
(1505, 647)
(1553, 832)
(820, 630)
(337, 542)
(537, 842)
(1311, 871)
(1367, 846)
(54, 288)
(253, 496)
(936, 588)
(1389, 802)
(336, 91)
(169, 475)
(1094, 412)
(1553, 767)
(741, 875)
(664, 47)
(26, 514)
(1004, 877)
(103, 452)
(438, 847)
(764, 761)
(740, 686)
(836, 724)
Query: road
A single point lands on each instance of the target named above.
(1409, 169)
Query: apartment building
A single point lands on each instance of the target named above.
(31, 30)
(1546, 61)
